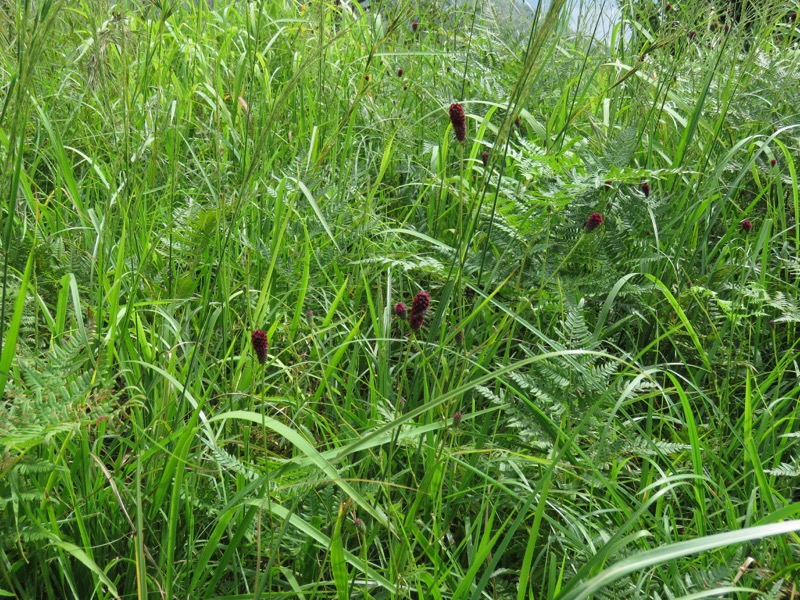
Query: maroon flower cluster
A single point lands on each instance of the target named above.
(418, 309)
(459, 121)
(593, 222)
(645, 187)
(746, 225)
(485, 158)
(258, 339)
(400, 310)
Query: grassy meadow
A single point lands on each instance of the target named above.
(425, 303)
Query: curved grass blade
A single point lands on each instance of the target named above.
(81, 556)
(657, 556)
(324, 541)
(308, 450)
(338, 562)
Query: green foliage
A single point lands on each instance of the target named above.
(583, 412)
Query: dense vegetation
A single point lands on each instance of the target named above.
(210, 216)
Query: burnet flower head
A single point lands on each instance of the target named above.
(459, 120)
(400, 310)
(258, 340)
(419, 307)
(593, 222)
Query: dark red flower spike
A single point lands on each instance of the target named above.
(459, 120)
(419, 307)
(593, 222)
(258, 339)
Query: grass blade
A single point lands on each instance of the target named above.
(657, 556)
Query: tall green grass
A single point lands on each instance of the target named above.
(606, 413)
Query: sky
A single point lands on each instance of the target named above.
(585, 15)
